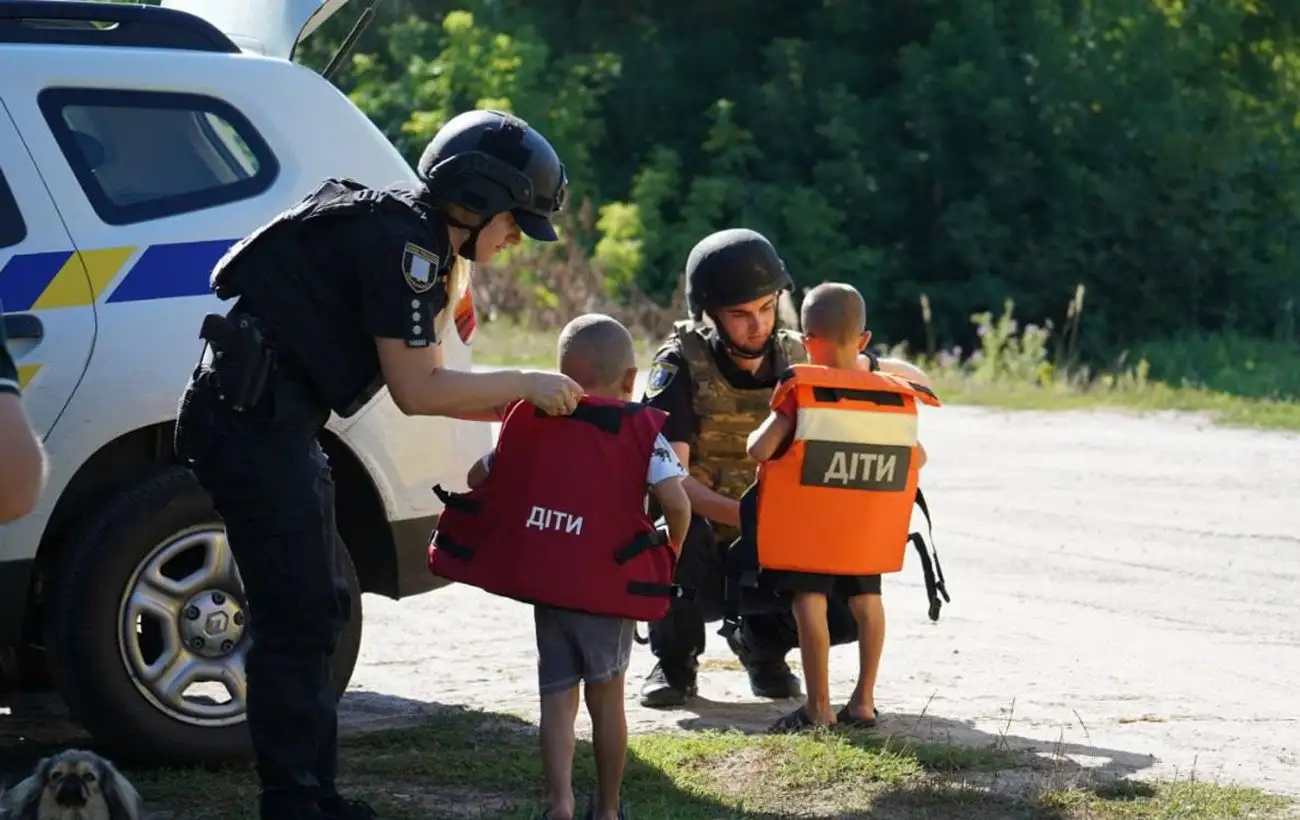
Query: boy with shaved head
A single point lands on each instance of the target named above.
(834, 319)
(595, 351)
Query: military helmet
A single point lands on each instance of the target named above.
(489, 161)
(732, 267)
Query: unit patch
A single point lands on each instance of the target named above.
(661, 375)
(420, 267)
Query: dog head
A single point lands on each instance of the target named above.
(72, 785)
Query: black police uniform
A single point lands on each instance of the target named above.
(679, 637)
(8, 372)
(315, 288)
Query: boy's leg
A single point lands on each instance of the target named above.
(868, 610)
(559, 671)
(815, 652)
(606, 651)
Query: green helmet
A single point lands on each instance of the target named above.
(732, 267)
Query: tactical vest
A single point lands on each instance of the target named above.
(726, 416)
(561, 519)
(290, 275)
(840, 499)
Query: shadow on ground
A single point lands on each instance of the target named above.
(755, 717)
(418, 759)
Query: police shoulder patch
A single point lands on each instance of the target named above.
(420, 267)
(661, 375)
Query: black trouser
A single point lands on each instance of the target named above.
(678, 638)
(780, 630)
(271, 484)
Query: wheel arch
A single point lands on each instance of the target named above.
(360, 513)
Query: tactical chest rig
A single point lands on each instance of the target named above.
(726, 416)
(276, 271)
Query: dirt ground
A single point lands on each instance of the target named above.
(1125, 593)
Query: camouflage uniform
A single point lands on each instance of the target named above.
(726, 416)
(723, 417)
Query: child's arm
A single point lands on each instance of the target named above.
(676, 508)
(664, 477)
(765, 441)
(907, 370)
(921, 456)
(479, 472)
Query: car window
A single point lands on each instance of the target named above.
(12, 227)
(142, 155)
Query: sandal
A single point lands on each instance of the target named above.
(796, 721)
(591, 811)
(850, 721)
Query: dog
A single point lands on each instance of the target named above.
(72, 785)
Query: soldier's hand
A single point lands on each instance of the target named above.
(555, 393)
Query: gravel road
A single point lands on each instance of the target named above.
(1124, 595)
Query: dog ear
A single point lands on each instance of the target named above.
(124, 802)
(23, 800)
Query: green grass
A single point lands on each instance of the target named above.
(1221, 407)
(465, 764)
(505, 344)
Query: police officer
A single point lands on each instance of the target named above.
(339, 296)
(715, 379)
(22, 457)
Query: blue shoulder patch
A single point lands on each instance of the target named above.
(661, 375)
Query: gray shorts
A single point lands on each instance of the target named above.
(576, 646)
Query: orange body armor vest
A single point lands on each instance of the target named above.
(839, 499)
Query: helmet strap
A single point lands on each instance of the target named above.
(737, 350)
(469, 248)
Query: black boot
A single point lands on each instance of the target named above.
(669, 684)
(338, 808)
(768, 677)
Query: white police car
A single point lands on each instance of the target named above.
(136, 145)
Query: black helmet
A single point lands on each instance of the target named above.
(732, 267)
(489, 161)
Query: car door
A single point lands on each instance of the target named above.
(45, 286)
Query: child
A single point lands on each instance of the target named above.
(834, 330)
(596, 352)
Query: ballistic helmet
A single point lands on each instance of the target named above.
(489, 161)
(732, 267)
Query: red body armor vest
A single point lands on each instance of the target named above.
(561, 519)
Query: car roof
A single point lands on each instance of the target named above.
(97, 24)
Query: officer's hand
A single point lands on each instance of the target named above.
(554, 393)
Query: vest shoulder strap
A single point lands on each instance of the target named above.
(695, 350)
(335, 195)
(849, 384)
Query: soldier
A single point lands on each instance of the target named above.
(715, 380)
(344, 294)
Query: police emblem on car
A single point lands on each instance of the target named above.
(420, 267)
(661, 375)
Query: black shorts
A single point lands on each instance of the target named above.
(832, 586)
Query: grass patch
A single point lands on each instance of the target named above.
(505, 343)
(1222, 408)
(465, 764)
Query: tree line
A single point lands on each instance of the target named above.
(941, 155)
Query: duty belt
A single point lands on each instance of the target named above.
(242, 360)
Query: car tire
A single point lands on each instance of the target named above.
(90, 648)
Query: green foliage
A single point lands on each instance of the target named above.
(971, 151)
